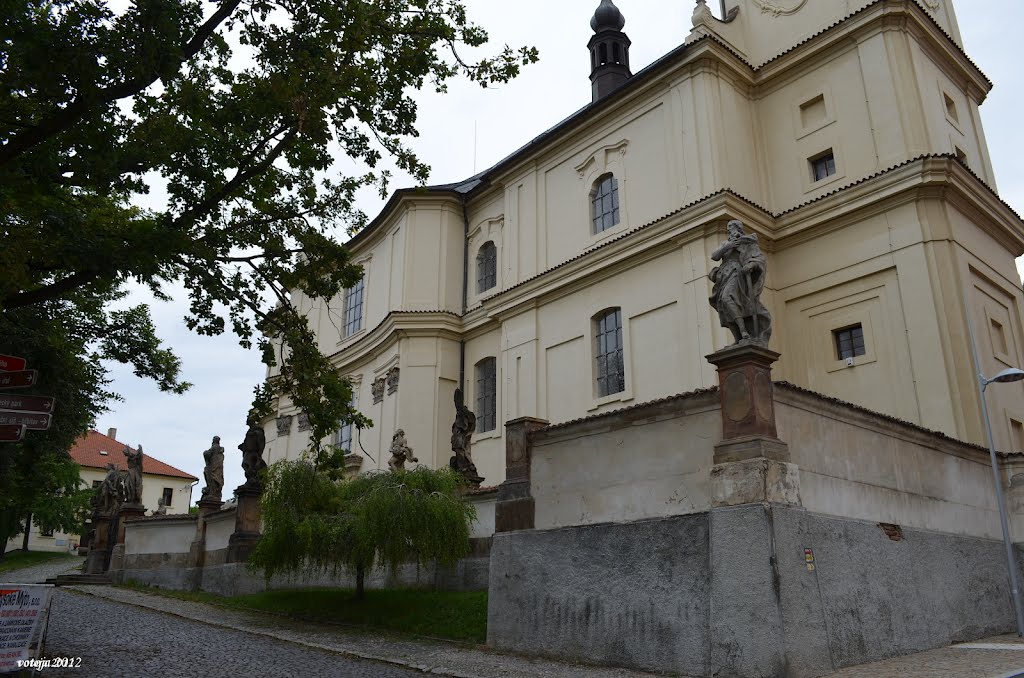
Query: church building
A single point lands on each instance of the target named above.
(571, 278)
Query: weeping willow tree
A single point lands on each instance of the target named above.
(385, 519)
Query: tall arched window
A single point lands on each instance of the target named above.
(487, 395)
(610, 368)
(604, 202)
(486, 267)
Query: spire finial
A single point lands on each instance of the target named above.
(607, 17)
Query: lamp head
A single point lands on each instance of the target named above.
(1008, 375)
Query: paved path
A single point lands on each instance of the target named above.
(38, 574)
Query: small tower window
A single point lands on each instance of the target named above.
(849, 342)
(823, 166)
(486, 267)
(611, 371)
(605, 203)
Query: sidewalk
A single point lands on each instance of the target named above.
(999, 657)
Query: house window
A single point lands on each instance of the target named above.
(353, 309)
(96, 483)
(604, 201)
(849, 342)
(343, 438)
(486, 267)
(611, 374)
(46, 531)
(486, 395)
(823, 166)
(168, 495)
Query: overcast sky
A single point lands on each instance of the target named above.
(176, 429)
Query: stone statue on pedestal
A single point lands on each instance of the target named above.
(252, 453)
(161, 508)
(133, 479)
(110, 493)
(214, 471)
(462, 434)
(739, 282)
(400, 452)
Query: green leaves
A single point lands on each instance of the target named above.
(232, 113)
(377, 518)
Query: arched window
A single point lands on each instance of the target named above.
(343, 437)
(487, 395)
(610, 368)
(602, 52)
(617, 53)
(604, 202)
(486, 267)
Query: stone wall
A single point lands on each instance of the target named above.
(166, 551)
(639, 538)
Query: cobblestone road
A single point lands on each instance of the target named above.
(114, 639)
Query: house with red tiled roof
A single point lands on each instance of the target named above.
(93, 451)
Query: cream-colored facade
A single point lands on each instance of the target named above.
(905, 238)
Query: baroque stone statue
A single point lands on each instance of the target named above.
(110, 493)
(214, 471)
(738, 284)
(133, 479)
(252, 453)
(161, 508)
(462, 434)
(400, 452)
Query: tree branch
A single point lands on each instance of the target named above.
(73, 113)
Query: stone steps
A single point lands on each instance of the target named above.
(79, 579)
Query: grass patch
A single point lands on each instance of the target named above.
(456, 615)
(18, 560)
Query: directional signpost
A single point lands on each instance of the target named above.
(19, 379)
(24, 403)
(32, 421)
(19, 413)
(11, 434)
(10, 363)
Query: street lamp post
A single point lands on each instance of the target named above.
(1007, 375)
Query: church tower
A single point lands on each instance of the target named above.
(609, 50)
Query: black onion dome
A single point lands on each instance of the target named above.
(607, 17)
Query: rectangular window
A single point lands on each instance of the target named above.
(343, 438)
(96, 483)
(353, 309)
(611, 373)
(823, 166)
(486, 395)
(168, 496)
(849, 342)
(46, 532)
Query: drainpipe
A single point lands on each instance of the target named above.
(465, 289)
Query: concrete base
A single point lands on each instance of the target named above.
(96, 561)
(752, 591)
(117, 558)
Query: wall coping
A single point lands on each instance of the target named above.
(221, 514)
(811, 401)
(148, 521)
(670, 407)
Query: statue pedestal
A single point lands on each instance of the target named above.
(127, 512)
(247, 524)
(197, 550)
(96, 560)
(751, 464)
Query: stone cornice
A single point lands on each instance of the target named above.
(395, 326)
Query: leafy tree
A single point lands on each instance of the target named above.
(235, 110)
(379, 518)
